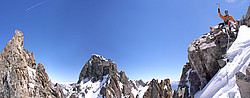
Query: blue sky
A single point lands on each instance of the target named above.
(145, 38)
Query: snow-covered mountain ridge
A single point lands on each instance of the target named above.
(21, 77)
(100, 78)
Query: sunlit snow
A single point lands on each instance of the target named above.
(223, 84)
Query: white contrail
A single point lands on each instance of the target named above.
(37, 5)
(231, 1)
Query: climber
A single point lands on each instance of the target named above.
(227, 18)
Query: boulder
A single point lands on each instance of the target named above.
(222, 62)
(243, 82)
(248, 70)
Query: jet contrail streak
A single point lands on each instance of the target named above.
(37, 5)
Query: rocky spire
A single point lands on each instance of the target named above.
(97, 67)
(18, 73)
(159, 90)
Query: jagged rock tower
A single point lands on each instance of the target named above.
(19, 76)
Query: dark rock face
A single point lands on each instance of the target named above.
(117, 84)
(19, 76)
(183, 87)
(159, 90)
(140, 82)
(189, 83)
(243, 82)
(194, 82)
(204, 53)
(248, 70)
(96, 67)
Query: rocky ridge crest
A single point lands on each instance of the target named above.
(206, 56)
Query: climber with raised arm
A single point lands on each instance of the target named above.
(227, 18)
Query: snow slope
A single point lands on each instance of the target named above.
(139, 92)
(223, 84)
(88, 89)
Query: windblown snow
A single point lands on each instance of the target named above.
(223, 84)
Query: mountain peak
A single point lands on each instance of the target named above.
(19, 75)
(96, 56)
(97, 67)
(18, 38)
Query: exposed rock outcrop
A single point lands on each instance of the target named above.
(114, 84)
(96, 67)
(19, 76)
(183, 87)
(189, 83)
(204, 53)
(245, 19)
(243, 82)
(139, 83)
(194, 82)
(159, 90)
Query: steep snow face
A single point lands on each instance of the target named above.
(223, 84)
(87, 89)
(139, 90)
